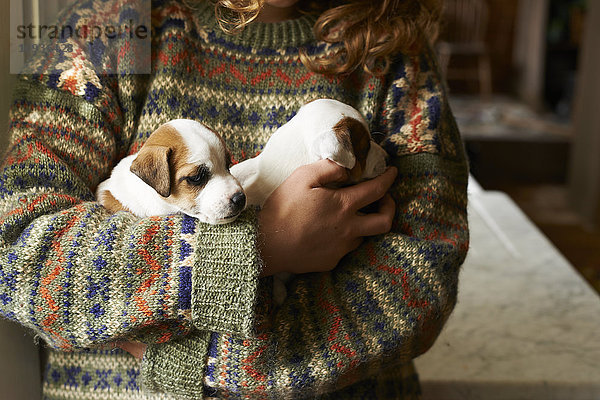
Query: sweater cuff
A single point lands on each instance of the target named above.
(225, 277)
(176, 367)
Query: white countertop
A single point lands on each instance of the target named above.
(526, 325)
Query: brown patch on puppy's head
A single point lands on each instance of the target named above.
(152, 166)
(354, 136)
(155, 160)
(188, 165)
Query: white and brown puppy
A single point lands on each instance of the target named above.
(182, 167)
(322, 129)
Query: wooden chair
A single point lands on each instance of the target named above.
(464, 26)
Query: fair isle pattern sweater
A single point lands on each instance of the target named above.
(81, 278)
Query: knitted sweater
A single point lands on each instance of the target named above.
(81, 278)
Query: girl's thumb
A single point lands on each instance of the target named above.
(327, 173)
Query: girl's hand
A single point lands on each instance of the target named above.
(136, 349)
(306, 226)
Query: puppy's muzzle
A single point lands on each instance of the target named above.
(237, 202)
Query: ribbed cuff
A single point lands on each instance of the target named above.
(176, 367)
(225, 277)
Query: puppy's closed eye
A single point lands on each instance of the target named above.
(200, 178)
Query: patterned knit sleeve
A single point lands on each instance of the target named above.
(75, 274)
(386, 302)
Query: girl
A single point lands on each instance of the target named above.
(187, 298)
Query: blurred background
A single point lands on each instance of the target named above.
(524, 87)
(525, 92)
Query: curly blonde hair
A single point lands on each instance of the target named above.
(370, 32)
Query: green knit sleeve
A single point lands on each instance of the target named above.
(79, 276)
(386, 302)
(177, 367)
(75, 274)
(225, 276)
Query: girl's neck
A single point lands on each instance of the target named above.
(277, 14)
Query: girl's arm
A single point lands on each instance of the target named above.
(77, 275)
(385, 303)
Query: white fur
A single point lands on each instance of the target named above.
(212, 203)
(204, 146)
(133, 193)
(306, 138)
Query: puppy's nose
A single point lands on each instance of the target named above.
(238, 201)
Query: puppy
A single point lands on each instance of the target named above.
(322, 129)
(182, 167)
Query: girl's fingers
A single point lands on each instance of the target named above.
(367, 192)
(136, 349)
(379, 222)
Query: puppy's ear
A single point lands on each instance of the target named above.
(152, 166)
(353, 135)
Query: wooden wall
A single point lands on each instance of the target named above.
(500, 38)
(584, 174)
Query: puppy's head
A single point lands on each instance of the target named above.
(371, 159)
(188, 165)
